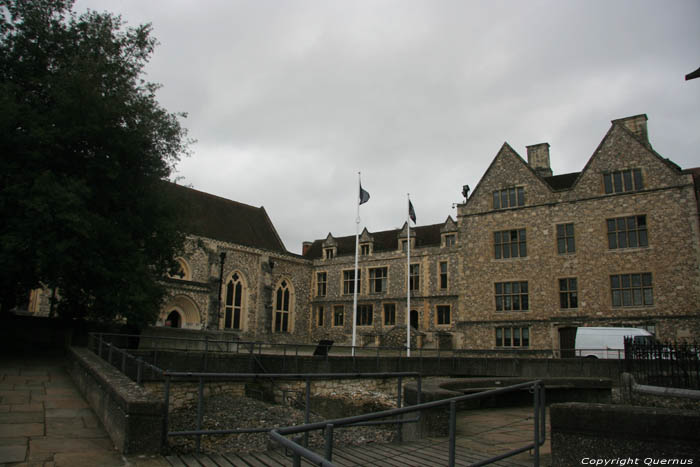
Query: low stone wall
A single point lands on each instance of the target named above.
(531, 368)
(590, 434)
(132, 416)
(185, 394)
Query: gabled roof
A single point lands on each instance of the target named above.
(221, 219)
(387, 240)
(506, 149)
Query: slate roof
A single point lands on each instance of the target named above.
(219, 218)
(386, 240)
(562, 182)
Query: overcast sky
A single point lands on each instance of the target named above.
(289, 100)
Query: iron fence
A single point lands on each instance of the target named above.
(674, 365)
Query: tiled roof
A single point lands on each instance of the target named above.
(387, 240)
(222, 219)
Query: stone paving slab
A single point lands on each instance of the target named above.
(21, 417)
(9, 454)
(44, 449)
(21, 429)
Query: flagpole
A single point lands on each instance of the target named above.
(408, 278)
(357, 243)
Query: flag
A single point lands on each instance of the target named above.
(364, 195)
(411, 212)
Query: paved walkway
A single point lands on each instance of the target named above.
(44, 421)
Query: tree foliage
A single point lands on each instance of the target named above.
(84, 149)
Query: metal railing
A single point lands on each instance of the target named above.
(120, 359)
(300, 451)
(674, 365)
(292, 351)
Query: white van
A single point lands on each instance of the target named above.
(607, 342)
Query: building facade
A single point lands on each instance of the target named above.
(613, 245)
(530, 257)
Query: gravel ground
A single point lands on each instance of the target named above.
(227, 412)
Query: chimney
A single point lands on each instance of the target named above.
(538, 159)
(637, 124)
(305, 247)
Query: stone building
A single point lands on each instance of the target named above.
(530, 257)
(613, 245)
(235, 273)
(382, 299)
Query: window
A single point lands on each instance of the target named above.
(414, 283)
(630, 290)
(282, 307)
(389, 314)
(450, 240)
(181, 271)
(621, 181)
(321, 284)
(233, 305)
(349, 282)
(512, 337)
(364, 315)
(565, 239)
(512, 296)
(329, 253)
(319, 315)
(627, 232)
(568, 293)
(377, 280)
(338, 315)
(364, 249)
(510, 244)
(443, 314)
(404, 245)
(509, 198)
(443, 275)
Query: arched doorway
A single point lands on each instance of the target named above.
(173, 320)
(414, 319)
(181, 312)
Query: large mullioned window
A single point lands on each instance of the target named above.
(627, 232)
(630, 290)
(509, 198)
(510, 244)
(512, 296)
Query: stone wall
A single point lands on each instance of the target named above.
(186, 394)
(197, 298)
(584, 432)
(132, 417)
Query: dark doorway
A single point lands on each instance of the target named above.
(567, 342)
(173, 320)
(414, 319)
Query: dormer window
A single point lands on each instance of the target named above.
(364, 249)
(449, 240)
(509, 198)
(329, 253)
(621, 181)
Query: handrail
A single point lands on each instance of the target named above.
(539, 425)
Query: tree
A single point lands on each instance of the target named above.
(85, 148)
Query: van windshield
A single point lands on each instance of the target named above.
(644, 340)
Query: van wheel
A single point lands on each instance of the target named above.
(592, 356)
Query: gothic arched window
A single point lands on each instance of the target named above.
(233, 305)
(283, 307)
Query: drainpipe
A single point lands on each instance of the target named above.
(222, 258)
